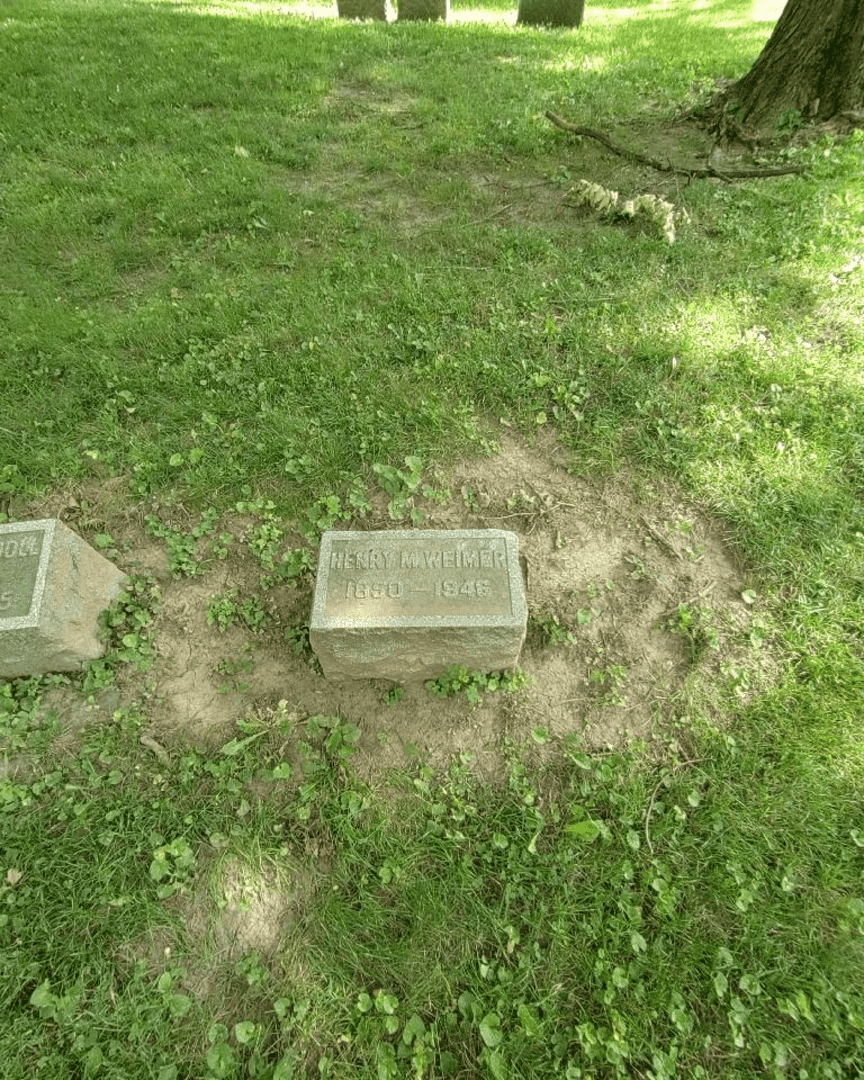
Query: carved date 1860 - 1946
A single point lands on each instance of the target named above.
(377, 590)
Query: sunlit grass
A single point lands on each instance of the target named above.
(244, 252)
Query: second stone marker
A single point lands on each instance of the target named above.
(406, 605)
(53, 587)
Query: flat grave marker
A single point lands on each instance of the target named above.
(407, 604)
(53, 587)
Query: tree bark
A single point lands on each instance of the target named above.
(423, 10)
(812, 63)
(551, 12)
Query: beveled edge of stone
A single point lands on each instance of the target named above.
(31, 619)
(518, 611)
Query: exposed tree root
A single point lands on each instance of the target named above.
(666, 166)
(716, 119)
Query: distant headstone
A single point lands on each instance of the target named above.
(550, 12)
(362, 9)
(423, 10)
(53, 587)
(406, 605)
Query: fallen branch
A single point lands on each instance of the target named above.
(699, 171)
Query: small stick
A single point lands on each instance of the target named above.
(157, 748)
(474, 221)
(494, 214)
(661, 781)
(659, 537)
(690, 600)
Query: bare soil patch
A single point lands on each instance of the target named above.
(614, 569)
(247, 912)
(240, 913)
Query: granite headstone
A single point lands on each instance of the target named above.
(406, 605)
(53, 587)
(362, 9)
(424, 10)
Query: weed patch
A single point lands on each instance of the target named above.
(473, 684)
(183, 557)
(547, 630)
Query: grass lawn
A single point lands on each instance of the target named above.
(264, 273)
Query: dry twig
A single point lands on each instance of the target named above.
(157, 748)
(660, 782)
(659, 537)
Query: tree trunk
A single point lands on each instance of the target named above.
(551, 12)
(362, 9)
(813, 63)
(423, 10)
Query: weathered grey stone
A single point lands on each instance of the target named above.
(423, 10)
(406, 605)
(362, 9)
(551, 12)
(53, 587)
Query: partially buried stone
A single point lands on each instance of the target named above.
(406, 605)
(53, 587)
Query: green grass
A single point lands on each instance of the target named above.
(250, 256)
(701, 919)
(177, 281)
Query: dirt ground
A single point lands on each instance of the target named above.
(611, 562)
